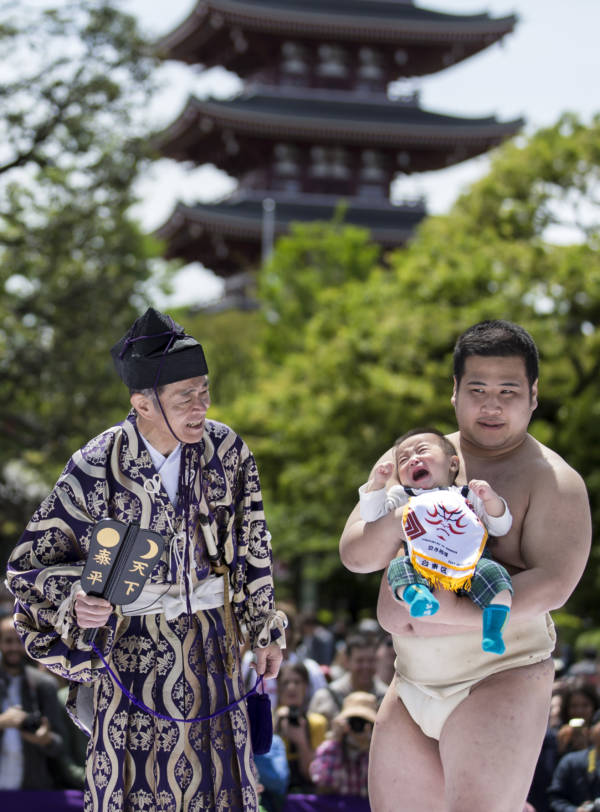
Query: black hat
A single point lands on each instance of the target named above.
(156, 351)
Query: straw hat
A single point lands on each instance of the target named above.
(361, 704)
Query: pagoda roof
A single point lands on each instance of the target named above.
(201, 36)
(392, 21)
(200, 232)
(325, 117)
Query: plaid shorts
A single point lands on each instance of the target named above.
(488, 580)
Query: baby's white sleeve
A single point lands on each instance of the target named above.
(496, 525)
(372, 503)
(375, 504)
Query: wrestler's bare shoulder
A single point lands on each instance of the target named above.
(527, 467)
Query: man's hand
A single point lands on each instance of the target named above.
(12, 717)
(91, 612)
(298, 733)
(339, 728)
(267, 660)
(42, 737)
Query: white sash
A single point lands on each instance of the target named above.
(155, 599)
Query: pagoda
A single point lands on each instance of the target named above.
(315, 124)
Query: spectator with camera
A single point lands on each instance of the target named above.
(575, 784)
(300, 730)
(341, 763)
(32, 727)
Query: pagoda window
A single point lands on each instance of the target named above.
(240, 43)
(340, 163)
(329, 163)
(294, 61)
(372, 166)
(319, 166)
(370, 67)
(373, 177)
(333, 62)
(286, 163)
(230, 142)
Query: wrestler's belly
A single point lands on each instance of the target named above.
(395, 619)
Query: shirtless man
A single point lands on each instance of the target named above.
(485, 716)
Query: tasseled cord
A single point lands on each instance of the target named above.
(223, 569)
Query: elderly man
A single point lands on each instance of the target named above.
(173, 655)
(461, 729)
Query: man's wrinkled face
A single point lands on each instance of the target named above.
(185, 403)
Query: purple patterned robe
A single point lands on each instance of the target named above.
(136, 761)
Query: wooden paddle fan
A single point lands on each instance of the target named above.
(120, 560)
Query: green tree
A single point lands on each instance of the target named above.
(375, 356)
(313, 256)
(72, 262)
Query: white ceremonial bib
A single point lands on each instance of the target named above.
(445, 537)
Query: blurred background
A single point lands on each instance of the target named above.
(418, 187)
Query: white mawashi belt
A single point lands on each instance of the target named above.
(154, 600)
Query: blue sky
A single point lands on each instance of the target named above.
(549, 65)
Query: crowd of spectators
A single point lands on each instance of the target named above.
(323, 731)
(323, 702)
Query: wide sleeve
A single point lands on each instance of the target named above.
(45, 568)
(254, 600)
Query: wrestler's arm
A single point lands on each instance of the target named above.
(555, 542)
(370, 546)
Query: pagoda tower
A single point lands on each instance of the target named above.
(314, 123)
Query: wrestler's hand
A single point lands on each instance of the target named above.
(91, 612)
(267, 660)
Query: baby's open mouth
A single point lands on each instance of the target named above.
(422, 472)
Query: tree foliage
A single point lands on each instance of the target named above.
(72, 262)
(373, 357)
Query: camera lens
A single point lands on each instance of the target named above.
(31, 722)
(357, 724)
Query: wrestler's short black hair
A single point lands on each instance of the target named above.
(497, 337)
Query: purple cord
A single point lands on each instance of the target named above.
(139, 704)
